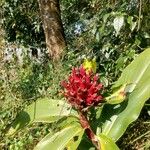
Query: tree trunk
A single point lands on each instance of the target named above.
(53, 28)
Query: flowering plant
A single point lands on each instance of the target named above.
(82, 89)
(103, 126)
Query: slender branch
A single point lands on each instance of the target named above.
(89, 132)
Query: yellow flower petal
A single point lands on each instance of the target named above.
(89, 65)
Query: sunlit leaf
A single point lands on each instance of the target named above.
(115, 119)
(68, 138)
(117, 97)
(107, 143)
(42, 110)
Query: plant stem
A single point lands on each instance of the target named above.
(89, 132)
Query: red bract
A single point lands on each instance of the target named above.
(82, 89)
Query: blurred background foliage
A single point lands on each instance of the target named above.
(113, 31)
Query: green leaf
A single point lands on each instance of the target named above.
(118, 23)
(107, 143)
(42, 110)
(117, 97)
(136, 71)
(116, 118)
(68, 138)
(131, 23)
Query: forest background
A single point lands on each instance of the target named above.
(39, 45)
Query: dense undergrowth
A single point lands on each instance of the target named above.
(91, 31)
(23, 84)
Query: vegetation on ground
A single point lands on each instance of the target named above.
(114, 33)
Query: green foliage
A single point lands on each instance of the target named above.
(119, 117)
(113, 120)
(114, 31)
(87, 21)
(42, 110)
(119, 95)
(92, 22)
(22, 23)
(68, 138)
(20, 85)
(107, 143)
(136, 136)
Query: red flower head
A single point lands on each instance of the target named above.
(82, 89)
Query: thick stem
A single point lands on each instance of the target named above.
(85, 124)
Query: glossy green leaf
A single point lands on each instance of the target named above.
(68, 138)
(136, 71)
(116, 118)
(42, 110)
(107, 143)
